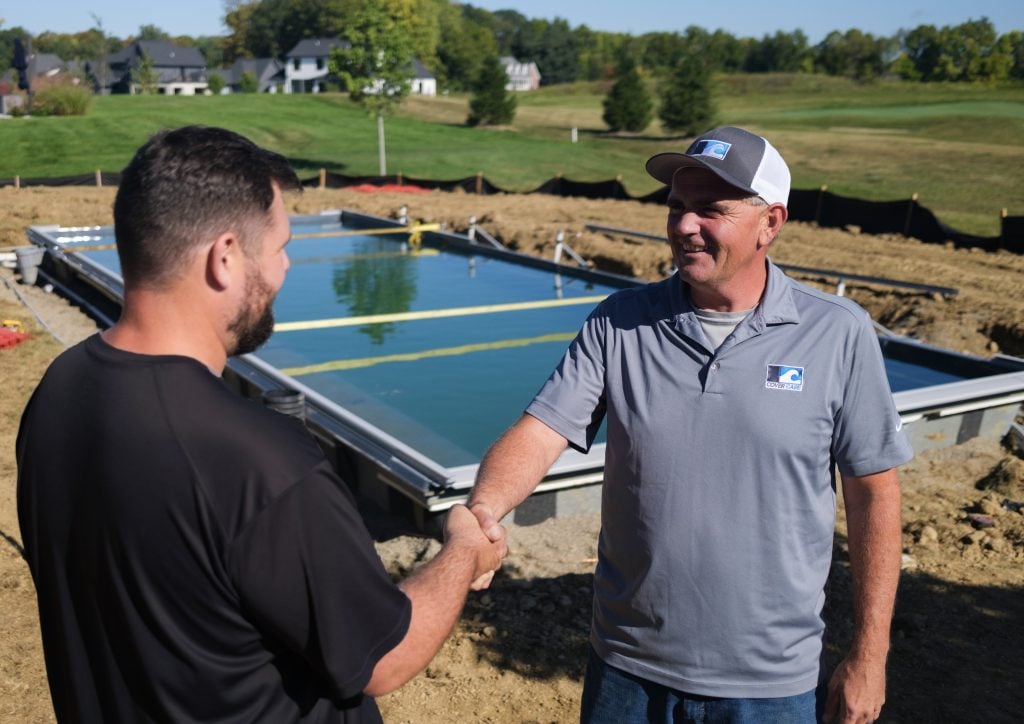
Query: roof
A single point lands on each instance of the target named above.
(263, 68)
(516, 67)
(164, 53)
(161, 52)
(316, 47)
(419, 70)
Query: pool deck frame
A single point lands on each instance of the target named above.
(396, 477)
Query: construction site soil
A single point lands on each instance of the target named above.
(518, 651)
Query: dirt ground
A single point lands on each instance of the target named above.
(518, 651)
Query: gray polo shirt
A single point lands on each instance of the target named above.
(719, 493)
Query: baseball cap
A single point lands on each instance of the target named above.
(740, 158)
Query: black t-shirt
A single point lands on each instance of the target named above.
(194, 554)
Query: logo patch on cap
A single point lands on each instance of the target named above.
(712, 148)
(784, 377)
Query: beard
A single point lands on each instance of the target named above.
(254, 323)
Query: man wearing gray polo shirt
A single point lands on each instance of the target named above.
(732, 394)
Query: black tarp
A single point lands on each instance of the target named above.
(906, 217)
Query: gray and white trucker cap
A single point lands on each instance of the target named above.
(740, 158)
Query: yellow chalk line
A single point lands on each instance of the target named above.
(433, 314)
(351, 364)
(415, 228)
(368, 255)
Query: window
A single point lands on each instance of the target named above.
(319, 63)
(296, 63)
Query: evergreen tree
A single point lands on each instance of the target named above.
(686, 102)
(491, 104)
(628, 105)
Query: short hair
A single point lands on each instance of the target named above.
(187, 186)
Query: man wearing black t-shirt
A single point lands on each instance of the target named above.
(195, 556)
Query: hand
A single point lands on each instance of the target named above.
(462, 529)
(856, 691)
(488, 522)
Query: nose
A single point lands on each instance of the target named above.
(682, 223)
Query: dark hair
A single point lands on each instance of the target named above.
(189, 185)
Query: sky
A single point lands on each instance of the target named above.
(741, 18)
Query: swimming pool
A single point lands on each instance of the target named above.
(413, 358)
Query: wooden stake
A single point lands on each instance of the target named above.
(479, 182)
(821, 201)
(323, 178)
(17, 182)
(99, 179)
(910, 214)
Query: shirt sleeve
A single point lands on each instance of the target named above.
(308, 574)
(572, 401)
(868, 436)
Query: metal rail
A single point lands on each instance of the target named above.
(842, 277)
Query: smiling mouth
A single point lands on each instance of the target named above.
(691, 248)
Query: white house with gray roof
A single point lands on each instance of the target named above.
(306, 68)
(305, 65)
(521, 76)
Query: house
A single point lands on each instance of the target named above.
(178, 70)
(268, 72)
(306, 68)
(521, 76)
(42, 67)
(423, 81)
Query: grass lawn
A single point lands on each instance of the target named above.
(959, 147)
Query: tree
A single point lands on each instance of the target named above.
(686, 97)
(491, 103)
(151, 32)
(145, 76)
(463, 45)
(215, 83)
(375, 67)
(628, 105)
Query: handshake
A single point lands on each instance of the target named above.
(475, 535)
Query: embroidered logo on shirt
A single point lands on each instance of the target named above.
(712, 148)
(784, 377)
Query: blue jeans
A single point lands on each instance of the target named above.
(612, 696)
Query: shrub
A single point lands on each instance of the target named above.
(215, 83)
(64, 98)
(248, 83)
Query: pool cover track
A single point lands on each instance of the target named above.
(413, 357)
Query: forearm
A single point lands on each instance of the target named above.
(514, 465)
(438, 592)
(874, 535)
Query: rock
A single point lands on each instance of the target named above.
(990, 506)
(489, 632)
(527, 602)
(974, 537)
(997, 544)
(981, 521)
(928, 536)
(908, 563)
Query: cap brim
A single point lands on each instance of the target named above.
(663, 167)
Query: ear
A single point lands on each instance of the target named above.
(772, 221)
(224, 260)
